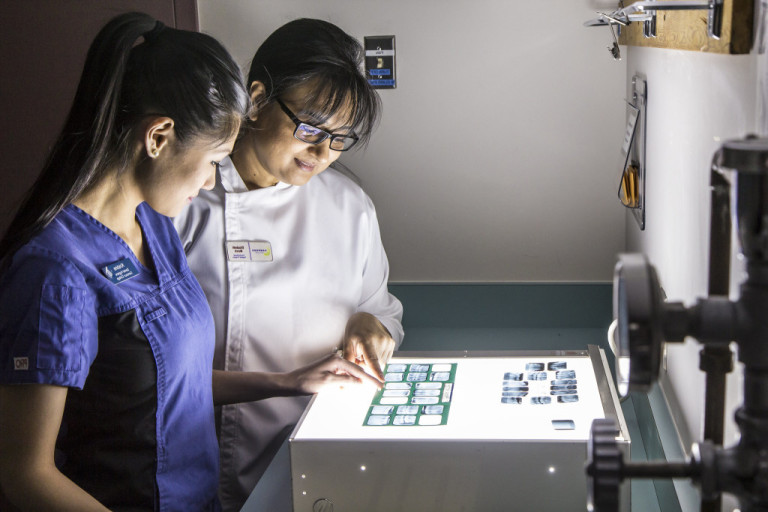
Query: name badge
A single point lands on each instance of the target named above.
(120, 271)
(243, 250)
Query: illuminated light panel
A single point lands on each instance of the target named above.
(476, 409)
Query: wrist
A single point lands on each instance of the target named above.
(289, 383)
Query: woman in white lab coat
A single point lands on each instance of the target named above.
(288, 250)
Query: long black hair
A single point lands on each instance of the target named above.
(135, 67)
(321, 54)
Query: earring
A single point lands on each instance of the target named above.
(154, 152)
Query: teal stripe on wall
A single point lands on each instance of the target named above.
(517, 305)
(525, 316)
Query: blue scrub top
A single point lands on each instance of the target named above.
(138, 429)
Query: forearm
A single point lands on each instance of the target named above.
(237, 387)
(45, 489)
(30, 420)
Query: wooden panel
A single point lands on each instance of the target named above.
(687, 30)
(42, 47)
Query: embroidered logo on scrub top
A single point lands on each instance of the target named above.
(21, 363)
(120, 271)
(243, 250)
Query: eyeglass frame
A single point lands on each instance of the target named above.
(326, 134)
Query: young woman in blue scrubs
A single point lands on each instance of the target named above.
(106, 338)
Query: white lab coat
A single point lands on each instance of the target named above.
(328, 263)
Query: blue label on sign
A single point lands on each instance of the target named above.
(119, 271)
(381, 82)
(381, 72)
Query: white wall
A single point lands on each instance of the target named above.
(695, 100)
(497, 155)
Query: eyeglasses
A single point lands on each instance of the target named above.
(313, 135)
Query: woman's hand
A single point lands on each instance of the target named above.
(368, 343)
(331, 371)
(231, 387)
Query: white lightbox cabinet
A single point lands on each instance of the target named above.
(468, 431)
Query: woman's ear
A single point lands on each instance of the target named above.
(258, 99)
(157, 135)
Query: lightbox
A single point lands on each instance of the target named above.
(465, 431)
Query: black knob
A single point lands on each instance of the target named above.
(605, 465)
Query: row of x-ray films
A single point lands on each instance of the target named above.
(540, 384)
(413, 394)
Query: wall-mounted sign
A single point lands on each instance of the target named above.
(380, 61)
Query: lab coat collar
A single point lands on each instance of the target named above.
(234, 184)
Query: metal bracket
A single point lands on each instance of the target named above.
(645, 12)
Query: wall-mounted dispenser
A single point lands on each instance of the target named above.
(632, 182)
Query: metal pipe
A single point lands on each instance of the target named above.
(658, 470)
(717, 360)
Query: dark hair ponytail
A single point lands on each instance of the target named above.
(318, 52)
(186, 76)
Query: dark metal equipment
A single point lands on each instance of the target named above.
(646, 322)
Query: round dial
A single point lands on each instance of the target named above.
(604, 467)
(637, 307)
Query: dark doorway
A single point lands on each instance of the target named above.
(42, 50)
